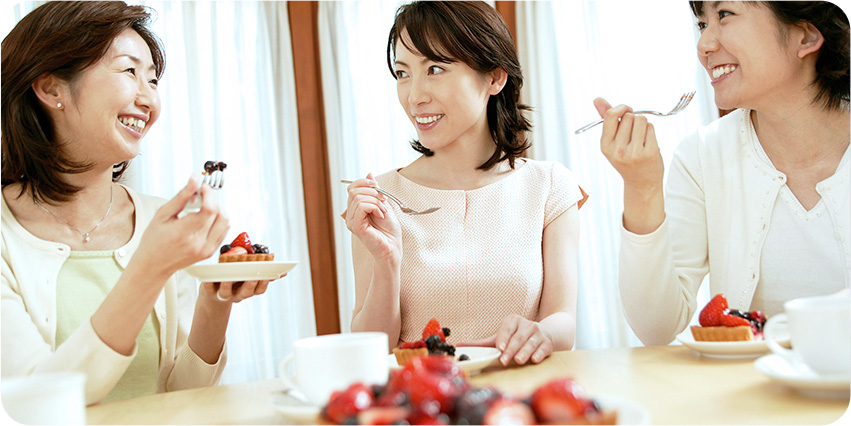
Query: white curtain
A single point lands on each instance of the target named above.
(228, 94)
(637, 53)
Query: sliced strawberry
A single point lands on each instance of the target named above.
(714, 311)
(560, 401)
(235, 250)
(242, 240)
(433, 327)
(509, 412)
(383, 415)
(733, 321)
(348, 403)
(413, 345)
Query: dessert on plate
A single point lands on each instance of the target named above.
(719, 323)
(432, 343)
(241, 250)
(434, 390)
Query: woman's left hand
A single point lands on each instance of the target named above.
(519, 339)
(234, 292)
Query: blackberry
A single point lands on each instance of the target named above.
(260, 248)
(210, 166)
(225, 249)
(445, 331)
(432, 342)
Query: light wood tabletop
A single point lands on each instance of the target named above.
(674, 384)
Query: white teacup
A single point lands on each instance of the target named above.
(820, 331)
(324, 364)
(45, 399)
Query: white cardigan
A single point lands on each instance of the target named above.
(28, 335)
(718, 204)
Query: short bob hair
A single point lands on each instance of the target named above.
(475, 34)
(832, 77)
(63, 39)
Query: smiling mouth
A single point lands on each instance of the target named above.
(133, 123)
(429, 119)
(723, 70)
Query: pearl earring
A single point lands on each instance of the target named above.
(59, 105)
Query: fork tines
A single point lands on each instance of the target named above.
(214, 174)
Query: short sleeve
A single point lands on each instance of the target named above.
(564, 193)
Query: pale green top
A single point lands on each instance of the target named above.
(83, 283)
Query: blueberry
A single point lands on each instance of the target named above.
(225, 249)
(445, 331)
(210, 166)
(463, 357)
(221, 166)
(260, 248)
(432, 342)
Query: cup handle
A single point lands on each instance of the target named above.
(283, 372)
(778, 326)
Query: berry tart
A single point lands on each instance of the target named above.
(719, 323)
(432, 343)
(434, 390)
(241, 250)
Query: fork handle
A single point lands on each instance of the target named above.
(389, 195)
(596, 123)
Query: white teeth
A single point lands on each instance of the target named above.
(719, 71)
(426, 120)
(135, 124)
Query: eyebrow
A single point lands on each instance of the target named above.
(422, 61)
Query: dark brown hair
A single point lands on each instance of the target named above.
(832, 65)
(475, 34)
(63, 39)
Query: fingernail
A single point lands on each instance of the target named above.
(501, 346)
(503, 360)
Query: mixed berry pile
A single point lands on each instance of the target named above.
(434, 390)
(718, 314)
(242, 245)
(434, 338)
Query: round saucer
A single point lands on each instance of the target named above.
(802, 378)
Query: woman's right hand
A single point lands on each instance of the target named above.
(371, 219)
(629, 143)
(171, 243)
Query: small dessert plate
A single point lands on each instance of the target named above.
(629, 412)
(480, 357)
(746, 349)
(294, 409)
(239, 271)
(803, 379)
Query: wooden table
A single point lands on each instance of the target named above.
(676, 385)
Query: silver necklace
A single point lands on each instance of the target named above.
(86, 235)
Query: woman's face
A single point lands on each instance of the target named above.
(749, 62)
(445, 102)
(112, 104)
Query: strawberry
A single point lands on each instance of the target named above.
(242, 240)
(413, 345)
(433, 327)
(348, 403)
(712, 313)
(383, 415)
(509, 412)
(235, 250)
(733, 321)
(560, 401)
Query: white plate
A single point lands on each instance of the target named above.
(480, 357)
(301, 412)
(802, 378)
(745, 349)
(239, 271)
(629, 412)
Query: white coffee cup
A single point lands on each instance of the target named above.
(324, 364)
(45, 399)
(820, 331)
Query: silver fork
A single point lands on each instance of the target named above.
(402, 206)
(214, 176)
(681, 105)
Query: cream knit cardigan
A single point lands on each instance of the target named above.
(28, 335)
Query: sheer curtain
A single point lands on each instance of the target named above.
(228, 94)
(366, 127)
(637, 53)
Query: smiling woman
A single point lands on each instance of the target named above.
(86, 285)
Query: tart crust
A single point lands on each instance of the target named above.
(256, 257)
(722, 334)
(405, 355)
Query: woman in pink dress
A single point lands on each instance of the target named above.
(497, 262)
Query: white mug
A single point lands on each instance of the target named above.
(324, 364)
(45, 399)
(819, 329)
